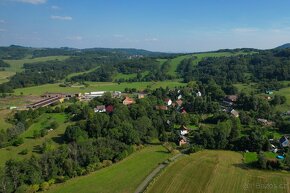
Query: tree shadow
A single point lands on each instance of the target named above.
(244, 166)
(58, 139)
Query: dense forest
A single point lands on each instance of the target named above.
(262, 66)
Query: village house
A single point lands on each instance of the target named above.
(284, 141)
(100, 109)
(183, 130)
(168, 102)
(198, 94)
(141, 96)
(128, 101)
(161, 107)
(265, 122)
(234, 113)
(231, 98)
(182, 141)
(109, 108)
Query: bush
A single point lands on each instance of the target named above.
(18, 141)
(44, 186)
(43, 132)
(107, 163)
(195, 148)
(24, 152)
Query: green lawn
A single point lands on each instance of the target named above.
(96, 86)
(218, 172)
(32, 144)
(123, 177)
(246, 88)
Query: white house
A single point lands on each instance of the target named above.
(198, 94)
(168, 102)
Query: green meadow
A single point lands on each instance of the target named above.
(96, 86)
(122, 177)
(219, 172)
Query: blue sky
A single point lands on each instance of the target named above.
(158, 25)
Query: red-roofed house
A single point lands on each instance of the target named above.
(110, 108)
(128, 101)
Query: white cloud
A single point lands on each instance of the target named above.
(74, 38)
(2, 21)
(55, 7)
(2, 30)
(57, 17)
(151, 39)
(34, 2)
(245, 30)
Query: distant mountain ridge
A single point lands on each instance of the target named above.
(19, 52)
(287, 45)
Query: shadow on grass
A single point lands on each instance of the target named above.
(59, 139)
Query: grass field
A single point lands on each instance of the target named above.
(218, 172)
(123, 177)
(16, 65)
(3, 115)
(95, 86)
(31, 144)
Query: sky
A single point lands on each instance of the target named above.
(156, 25)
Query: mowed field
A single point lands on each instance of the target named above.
(123, 177)
(218, 172)
(16, 65)
(32, 145)
(96, 86)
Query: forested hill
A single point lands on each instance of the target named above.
(19, 52)
(284, 46)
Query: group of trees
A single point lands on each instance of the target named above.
(3, 64)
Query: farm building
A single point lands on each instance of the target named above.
(62, 95)
(46, 102)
